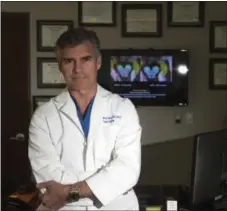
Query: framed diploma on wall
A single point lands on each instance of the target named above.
(48, 74)
(101, 13)
(185, 13)
(48, 31)
(218, 73)
(141, 20)
(218, 36)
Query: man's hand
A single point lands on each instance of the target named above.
(56, 193)
(85, 191)
(55, 196)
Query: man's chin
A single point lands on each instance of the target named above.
(78, 87)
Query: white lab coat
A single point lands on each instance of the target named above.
(109, 160)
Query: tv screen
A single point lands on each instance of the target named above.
(147, 77)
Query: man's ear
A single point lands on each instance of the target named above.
(59, 63)
(99, 62)
(59, 66)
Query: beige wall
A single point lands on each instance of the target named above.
(208, 107)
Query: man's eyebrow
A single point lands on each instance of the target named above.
(86, 57)
(71, 58)
(67, 58)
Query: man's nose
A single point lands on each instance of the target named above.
(77, 67)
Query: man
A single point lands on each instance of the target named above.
(84, 144)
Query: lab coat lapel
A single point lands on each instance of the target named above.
(67, 107)
(97, 113)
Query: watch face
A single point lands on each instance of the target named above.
(74, 196)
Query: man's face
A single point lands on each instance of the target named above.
(79, 66)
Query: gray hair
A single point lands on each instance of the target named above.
(76, 36)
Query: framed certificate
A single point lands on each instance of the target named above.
(48, 31)
(101, 13)
(40, 100)
(218, 73)
(218, 36)
(141, 20)
(185, 13)
(48, 74)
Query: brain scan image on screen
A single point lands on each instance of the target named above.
(124, 68)
(151, 72)
(157, 69)
(124, 71)
(141, 68)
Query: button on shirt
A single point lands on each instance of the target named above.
(84, 119)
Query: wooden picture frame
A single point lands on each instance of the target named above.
(39, 100)
(185, 14)
(131, 25)
(48, 32)
(218, 36)
(48, 73)
(98, 13)
(218, 73)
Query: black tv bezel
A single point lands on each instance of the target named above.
(145, 52)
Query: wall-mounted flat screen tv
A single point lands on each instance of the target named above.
(147, 77)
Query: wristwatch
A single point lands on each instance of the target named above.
(74, 194)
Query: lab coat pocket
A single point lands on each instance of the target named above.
(56, 135)
(59, 149)
(58, 143)
(105, 143)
